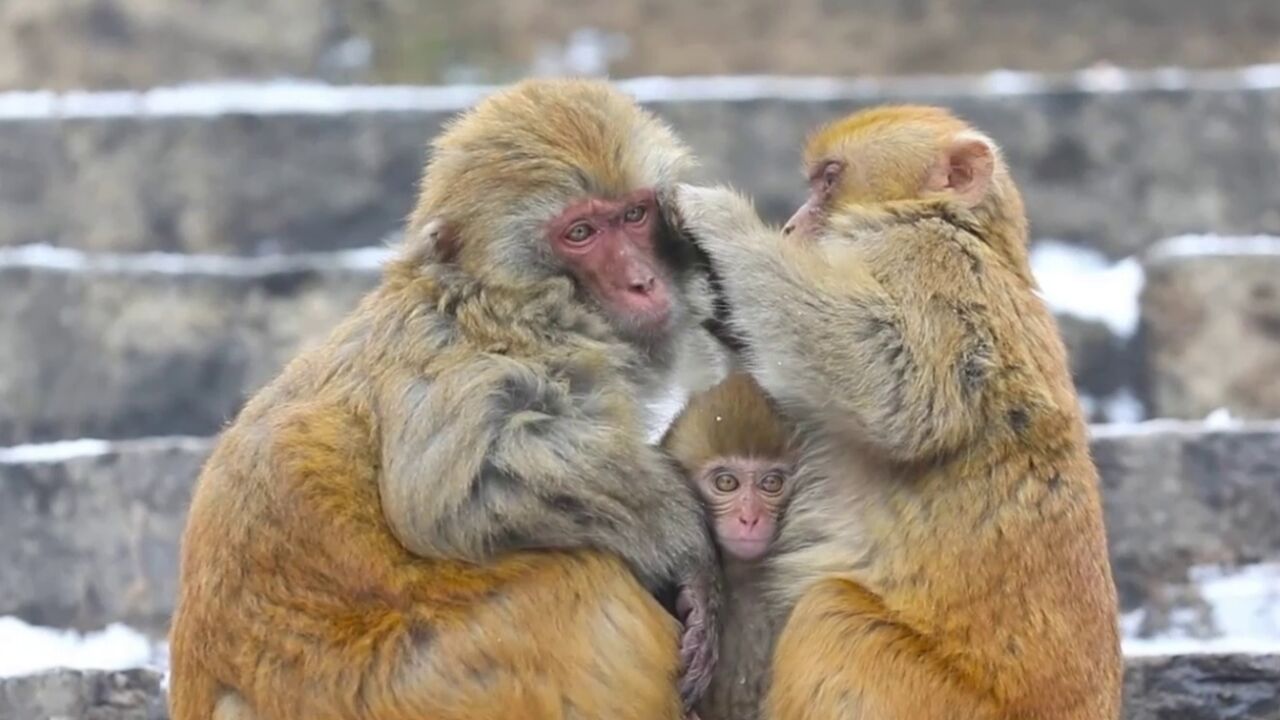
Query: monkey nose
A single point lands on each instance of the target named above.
(788, 228)
(643, 285)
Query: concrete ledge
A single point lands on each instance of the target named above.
(93, 527)
(1222, 687)
(1182, 494)
(136, 345)
(132, 345)
(1107, 158)
(1210, 333)
(89, 694)
(91, 530)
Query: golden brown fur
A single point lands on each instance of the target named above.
(944, 555)
(733, 418)
(447, 509)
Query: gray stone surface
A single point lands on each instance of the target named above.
(93, 538)
(1116, 170)
(119, 346)
(1211, 327)
(1177, 495)
(1102, 363)
(1186, 687)
(118, 349)
(84, 695)
(112, 43)
(1202, 687)
(139, 43)
(90, 537)
(236, 182)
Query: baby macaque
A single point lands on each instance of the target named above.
(738, 454)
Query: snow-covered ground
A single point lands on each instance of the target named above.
(70, 260)
(1244, 605)
(1078, 281)
(288, 96)
(26, 649)
(1244, 612)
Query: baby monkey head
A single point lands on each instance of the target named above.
(739, 454)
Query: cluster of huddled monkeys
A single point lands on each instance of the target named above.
(883, 508)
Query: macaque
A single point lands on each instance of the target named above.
(740, 456)
(449, 510)
(943, 555)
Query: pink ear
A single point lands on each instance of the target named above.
(964, 170)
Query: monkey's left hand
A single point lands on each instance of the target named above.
(699, 643)
(717, 218)
(721, 224)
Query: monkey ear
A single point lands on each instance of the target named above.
(436, 242)
(964, 169)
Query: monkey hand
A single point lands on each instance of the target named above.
(721, 224)
(697, 606)
(716, 217)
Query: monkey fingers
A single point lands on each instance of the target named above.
(713, 216)
(699, 642)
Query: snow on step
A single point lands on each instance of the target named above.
(250, 169)
(1178, 496)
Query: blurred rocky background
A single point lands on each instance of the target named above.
(143, 43)
(190, 192)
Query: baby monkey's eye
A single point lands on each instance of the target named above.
(726, 482)
(772, 483)
(635, 214)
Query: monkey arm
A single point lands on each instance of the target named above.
(879, 668)
(826, 337)
(500, 457)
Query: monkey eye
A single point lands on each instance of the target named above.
(831, 173)
(580, 233)
(726, 482)
(634, 214)
(772, 483)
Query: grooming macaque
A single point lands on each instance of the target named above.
(448, 510)
(943, 555)
(739, 455)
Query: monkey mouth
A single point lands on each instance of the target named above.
(648, 320)
(746, 548)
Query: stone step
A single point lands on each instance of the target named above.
(137, 43)
(1210, 311)
(136, 345)
(1218, 686)
(1116, 159)
(89, 530)
(133, 345)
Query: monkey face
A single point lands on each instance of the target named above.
(745, 496)
(891, 154)
(824, 179)
(612, 249)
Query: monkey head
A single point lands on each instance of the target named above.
(739, 454)
(885, 157)
(558, 178)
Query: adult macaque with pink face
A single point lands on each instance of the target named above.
(739, 455)
(611, 247)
